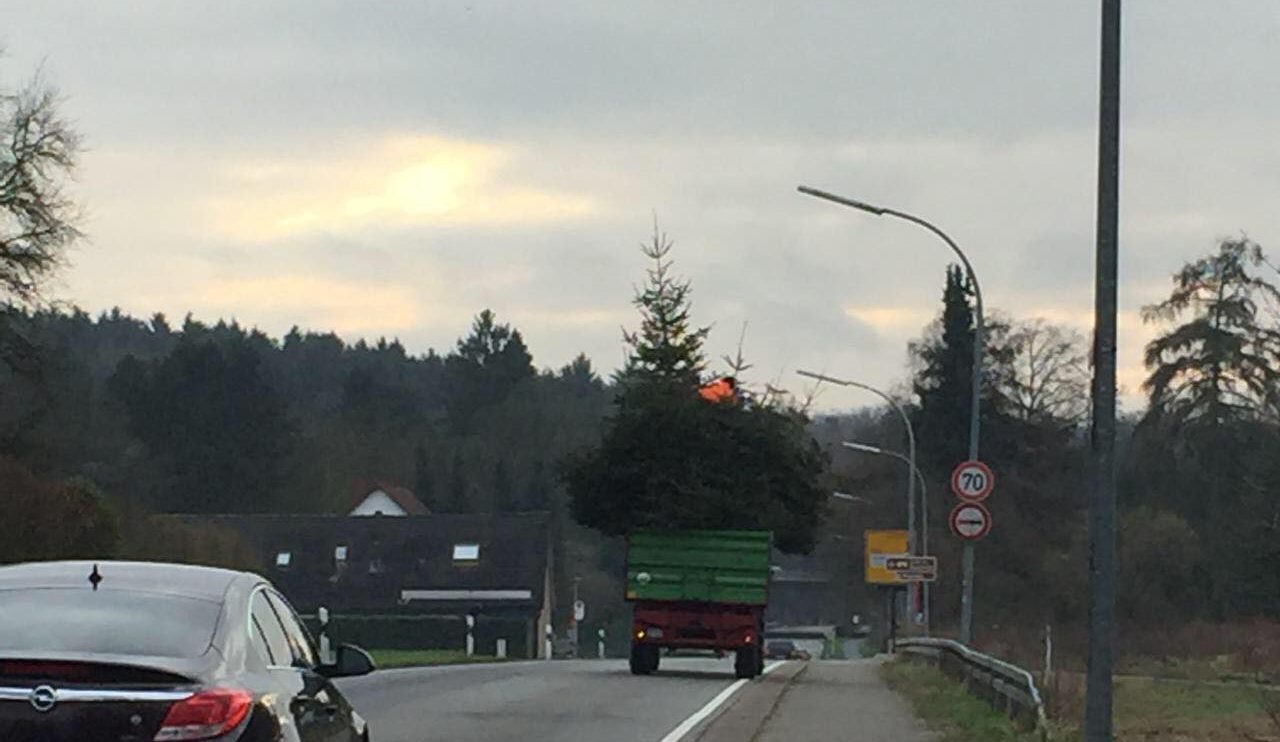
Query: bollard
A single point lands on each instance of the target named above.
(501, 650)
(547, 643)
(600, 643)
(471, 639)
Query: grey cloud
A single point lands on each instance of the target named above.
(978, 115)
(817, 71)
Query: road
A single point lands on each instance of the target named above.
(562, 701)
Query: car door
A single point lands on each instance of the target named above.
(333, 709)
(305, 708)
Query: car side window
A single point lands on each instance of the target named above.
(272, 630)
(259, 640)
(293, 628)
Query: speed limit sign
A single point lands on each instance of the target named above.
(972, 481)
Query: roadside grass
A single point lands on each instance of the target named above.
(1149, 708)
(1145, 708)
(386, 659)
(1223, 667)
(946, 707)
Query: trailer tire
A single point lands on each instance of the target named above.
(644, 659)
(746, 662)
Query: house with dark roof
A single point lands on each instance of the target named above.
(407, 569)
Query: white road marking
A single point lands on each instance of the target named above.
(675, 735)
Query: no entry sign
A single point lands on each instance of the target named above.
(972, 481)
(970, 521)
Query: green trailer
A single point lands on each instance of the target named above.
(698, 589)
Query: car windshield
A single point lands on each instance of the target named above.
(105, 622)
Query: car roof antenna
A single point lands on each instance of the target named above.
(95, 577)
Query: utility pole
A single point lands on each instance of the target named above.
(1102, 495)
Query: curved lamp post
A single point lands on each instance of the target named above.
(966, 598)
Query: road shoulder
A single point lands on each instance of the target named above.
(819, 700)
(741, 718)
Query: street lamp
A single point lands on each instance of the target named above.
(911, 446)
(850, 498)
(966, 599)
(924, 510)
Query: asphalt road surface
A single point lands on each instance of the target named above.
(561, 701)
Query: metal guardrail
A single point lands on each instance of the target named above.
(1005, 686)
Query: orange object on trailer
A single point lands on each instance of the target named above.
(724, 389)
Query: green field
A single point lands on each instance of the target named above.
(389, 658)
(1144, 708)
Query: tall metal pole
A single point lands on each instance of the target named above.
(1102, 500)
(975, 402)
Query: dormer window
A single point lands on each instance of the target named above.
(466, 553)
(340, 554)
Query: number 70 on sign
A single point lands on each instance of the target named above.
(972, 481)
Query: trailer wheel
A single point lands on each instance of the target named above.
(746, 662)
(644, 659)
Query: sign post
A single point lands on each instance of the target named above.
(972, 482)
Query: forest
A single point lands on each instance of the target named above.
(112, 417)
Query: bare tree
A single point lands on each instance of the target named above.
(38, 150)
(1048, 376)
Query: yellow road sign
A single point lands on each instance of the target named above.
(881, 546)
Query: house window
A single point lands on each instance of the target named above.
(340, 553)
(466, 552)
(284, 559)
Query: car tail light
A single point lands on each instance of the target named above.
(207, 714)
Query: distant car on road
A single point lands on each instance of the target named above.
(779, 650)
(785, 649)
(141, 652)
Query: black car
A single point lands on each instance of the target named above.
(780, 649)
(140, 652)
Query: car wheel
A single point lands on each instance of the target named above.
(644, 659)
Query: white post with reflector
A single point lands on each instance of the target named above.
(471, 638)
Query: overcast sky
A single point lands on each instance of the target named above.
(393, 168)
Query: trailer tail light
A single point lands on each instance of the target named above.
(205, 715)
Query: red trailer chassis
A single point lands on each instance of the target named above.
(689, 625)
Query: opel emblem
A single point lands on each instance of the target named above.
(43, 698)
